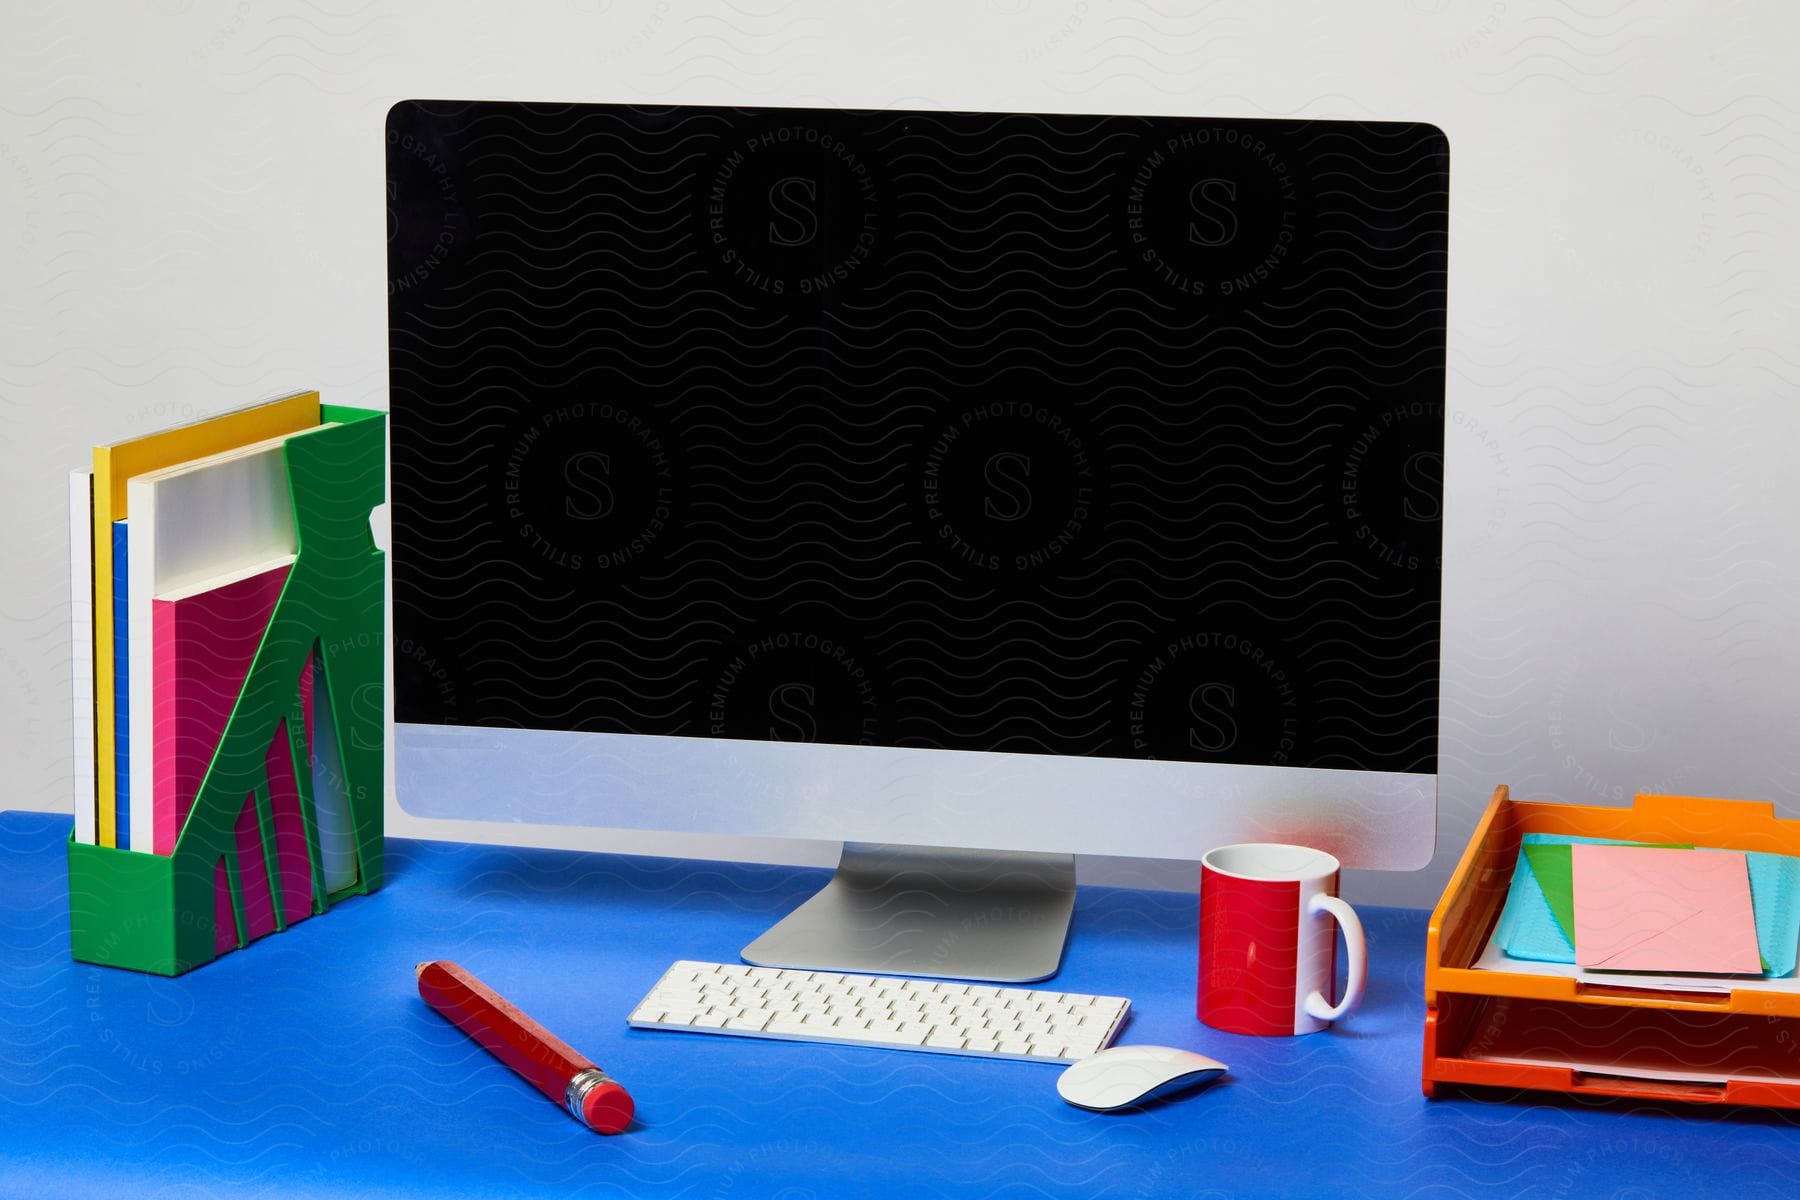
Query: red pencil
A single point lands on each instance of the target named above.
(546, 1061)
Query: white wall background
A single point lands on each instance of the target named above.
(191, 217)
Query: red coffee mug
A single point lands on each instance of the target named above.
(1268, 955)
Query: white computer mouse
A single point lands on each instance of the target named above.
(1122, 1076)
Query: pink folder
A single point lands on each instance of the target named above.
(204, 645)
(1639, 908)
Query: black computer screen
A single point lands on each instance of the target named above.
(1099, 435)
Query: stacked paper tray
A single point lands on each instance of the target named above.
(1724, 1042)
(266, 781)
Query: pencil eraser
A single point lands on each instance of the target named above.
(607, 1108)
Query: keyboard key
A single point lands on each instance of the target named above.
(755, 1023)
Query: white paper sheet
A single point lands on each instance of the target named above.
(1493, 958)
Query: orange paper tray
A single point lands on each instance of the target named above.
(1460, 1000)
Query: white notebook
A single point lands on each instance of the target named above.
(81, 638)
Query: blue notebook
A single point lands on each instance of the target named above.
(121, 666)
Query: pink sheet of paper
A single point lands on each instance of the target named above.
(1644, 909)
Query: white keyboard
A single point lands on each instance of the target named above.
(874, 1010)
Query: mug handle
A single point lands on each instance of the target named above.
(1358, 959)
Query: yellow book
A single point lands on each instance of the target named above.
(113, 465)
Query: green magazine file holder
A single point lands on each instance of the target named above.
(156, 913)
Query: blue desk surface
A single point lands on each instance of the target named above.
(307, 1065)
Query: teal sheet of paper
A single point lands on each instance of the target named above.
(1775, 894)
(1529, 929)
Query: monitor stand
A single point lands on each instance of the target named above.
(927, 910)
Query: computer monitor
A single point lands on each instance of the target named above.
(974, 489)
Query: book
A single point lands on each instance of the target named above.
(81, 639)
(120, 723)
